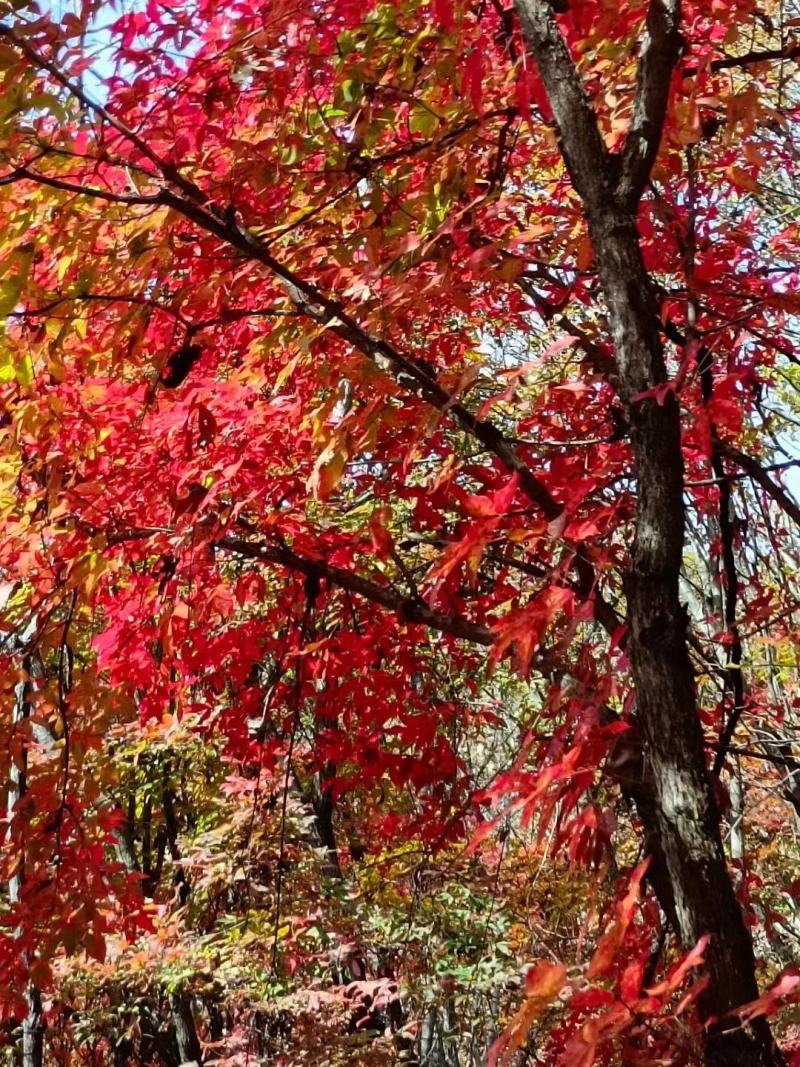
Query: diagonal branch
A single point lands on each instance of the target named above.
(193, 204)
(324, 309)
(26, 174)
(766, 55)
(314, 304)
(36, 59)
(585, 155)
(760, 475)
(407, 609)
(660, 51)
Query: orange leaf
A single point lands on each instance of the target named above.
(543, 983)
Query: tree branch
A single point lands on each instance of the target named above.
(226, 315)
(408, 609)
(36, 59)
(661, 49)
(585, 155)
(313, 303)
(324, 309)
(749, 59)
(759, 474)
(26, 174)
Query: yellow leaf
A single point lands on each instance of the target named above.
(328, 471)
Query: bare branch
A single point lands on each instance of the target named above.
(760, 475)
(749, 59)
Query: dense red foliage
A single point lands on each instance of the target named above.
(313, 451)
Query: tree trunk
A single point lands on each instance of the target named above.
(737, 814)
(685, 815)
(189, 1050)
(33, 1030)
(124, 837)
(32, 1051)
(687, 819)
(171, 823)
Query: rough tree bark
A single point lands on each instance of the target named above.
(686, 819)
(189, 1050)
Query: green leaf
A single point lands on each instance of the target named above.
(423, 121)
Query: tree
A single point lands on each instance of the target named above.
(394, 400)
